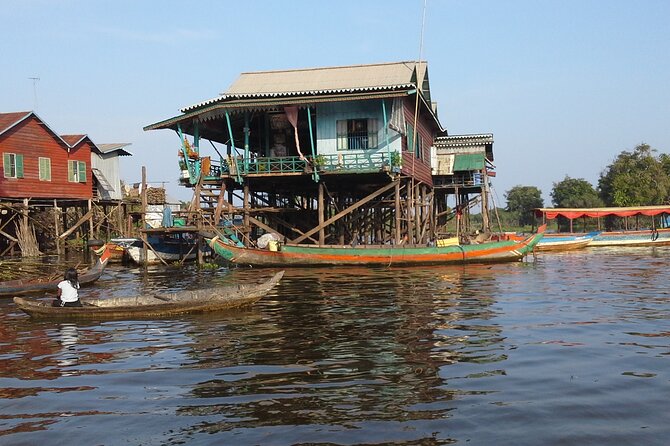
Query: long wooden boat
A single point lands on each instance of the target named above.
(29, 286)
(560, 242)
(305, 255)
(641, 237)
(154, 306)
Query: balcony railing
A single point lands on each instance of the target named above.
(342, 162)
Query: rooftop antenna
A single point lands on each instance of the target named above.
(35, 80)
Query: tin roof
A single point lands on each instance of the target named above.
(73, 140)
(115, 147)
(326, 80)
(12, 119)
(9, 120)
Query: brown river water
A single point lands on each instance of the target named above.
(564, 349)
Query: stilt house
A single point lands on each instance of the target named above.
(329, 156)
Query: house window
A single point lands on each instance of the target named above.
(409, 146)
(76, 171)
(45, 169)
(357, 134)
(12, 165)
(412, 145)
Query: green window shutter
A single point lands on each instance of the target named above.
(70, 171)
(45, 169)
(6, 165)
(19, 166)
(410, 138)
(82, 172)
(342, 135)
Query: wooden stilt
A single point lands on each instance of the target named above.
(320, 210)
(143, 234)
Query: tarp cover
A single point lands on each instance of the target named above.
(469, 161)
(572, 213)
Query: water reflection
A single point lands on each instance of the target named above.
(524, 353)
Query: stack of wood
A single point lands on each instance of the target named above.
(25, 233)
(155, 195)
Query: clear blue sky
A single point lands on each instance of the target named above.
(564, 86)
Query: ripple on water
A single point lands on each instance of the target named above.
(568, 349)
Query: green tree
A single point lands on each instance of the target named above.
(636, 178)
(575, 193)
(521, 200)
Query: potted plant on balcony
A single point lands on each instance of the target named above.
(319, 162)
(396, 162)
(184, 168)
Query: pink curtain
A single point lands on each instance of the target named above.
(292, 115)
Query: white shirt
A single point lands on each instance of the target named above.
(68, 292)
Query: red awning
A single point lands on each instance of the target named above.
(572, 213)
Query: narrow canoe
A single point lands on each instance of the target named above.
(566, 243)
(305, 255)
(154, 306)
(28, 286)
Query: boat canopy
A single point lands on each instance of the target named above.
(572, 213)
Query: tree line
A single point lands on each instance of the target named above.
(637, 178)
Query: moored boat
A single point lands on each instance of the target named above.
(638, 237)
(569, 243)
(168, 249)
(28, 286)
(154, 305)
(386, 255)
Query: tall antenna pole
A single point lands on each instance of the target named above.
(35, 80)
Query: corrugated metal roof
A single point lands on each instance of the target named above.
(9, 120)
(73, 140)
(115, 147)
(327, 80)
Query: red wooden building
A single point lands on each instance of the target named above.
(39, 164)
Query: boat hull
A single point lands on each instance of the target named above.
(648, 237)
(502, 251)
(153, 306)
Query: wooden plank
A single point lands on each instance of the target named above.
(81, 221)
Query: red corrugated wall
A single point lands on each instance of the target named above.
(418, 168)
(33, 140)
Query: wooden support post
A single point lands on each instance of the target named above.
(119, 219)
(143, 234)
(418, 200)
(246, 210)
(320, 210)
(485, 204)
(398, 234)
(90, 220)
(409, 207)
(219, 203)
(56, 227)
(347, 211)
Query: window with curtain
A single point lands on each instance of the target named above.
(409, 131)
(413, 145)
(12, 164)
(76, 171)
(45, 169)
(357, 134)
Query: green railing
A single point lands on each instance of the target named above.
(359, 162)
